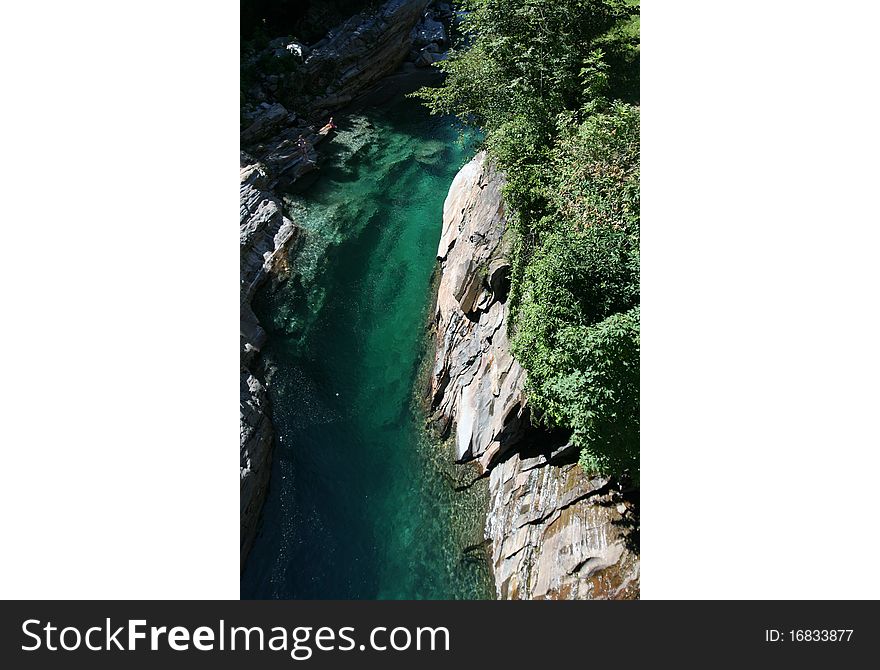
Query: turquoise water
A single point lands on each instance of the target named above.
(362, 502)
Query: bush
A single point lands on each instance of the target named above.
(577, 321)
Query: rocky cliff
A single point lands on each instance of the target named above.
(555, 533)
(351, 59)
(265, 235)
(362, 50)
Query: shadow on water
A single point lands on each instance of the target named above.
(361, 503)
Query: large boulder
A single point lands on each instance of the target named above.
(476, 382)
(555, 533)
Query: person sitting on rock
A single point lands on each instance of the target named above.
(328, 127)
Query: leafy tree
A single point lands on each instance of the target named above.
(523, 58)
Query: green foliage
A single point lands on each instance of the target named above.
(595, 170)
(523, 58)
(577, 325)
(589, 382)
(552, 83)
(603, 397)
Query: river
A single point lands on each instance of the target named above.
(361, 501)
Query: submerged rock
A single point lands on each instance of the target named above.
(555, 532)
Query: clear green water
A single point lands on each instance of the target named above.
(362, 502)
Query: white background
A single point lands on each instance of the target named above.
(120, 270)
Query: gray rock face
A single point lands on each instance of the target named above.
(265, 236)
(353, 57)
(265, 239)
(555, 533)
(335, 70)
(272, 140)
(255, 437)
(362, 50)
(475, 380)
(268, 121)
(264, 232)
(558, 534)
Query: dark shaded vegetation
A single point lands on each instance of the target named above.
(553, 85)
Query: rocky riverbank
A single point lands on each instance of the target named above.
(265, 236)
(555, 533)
(349, 63)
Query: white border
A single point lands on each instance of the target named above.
(759, 289)
(120, 138)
